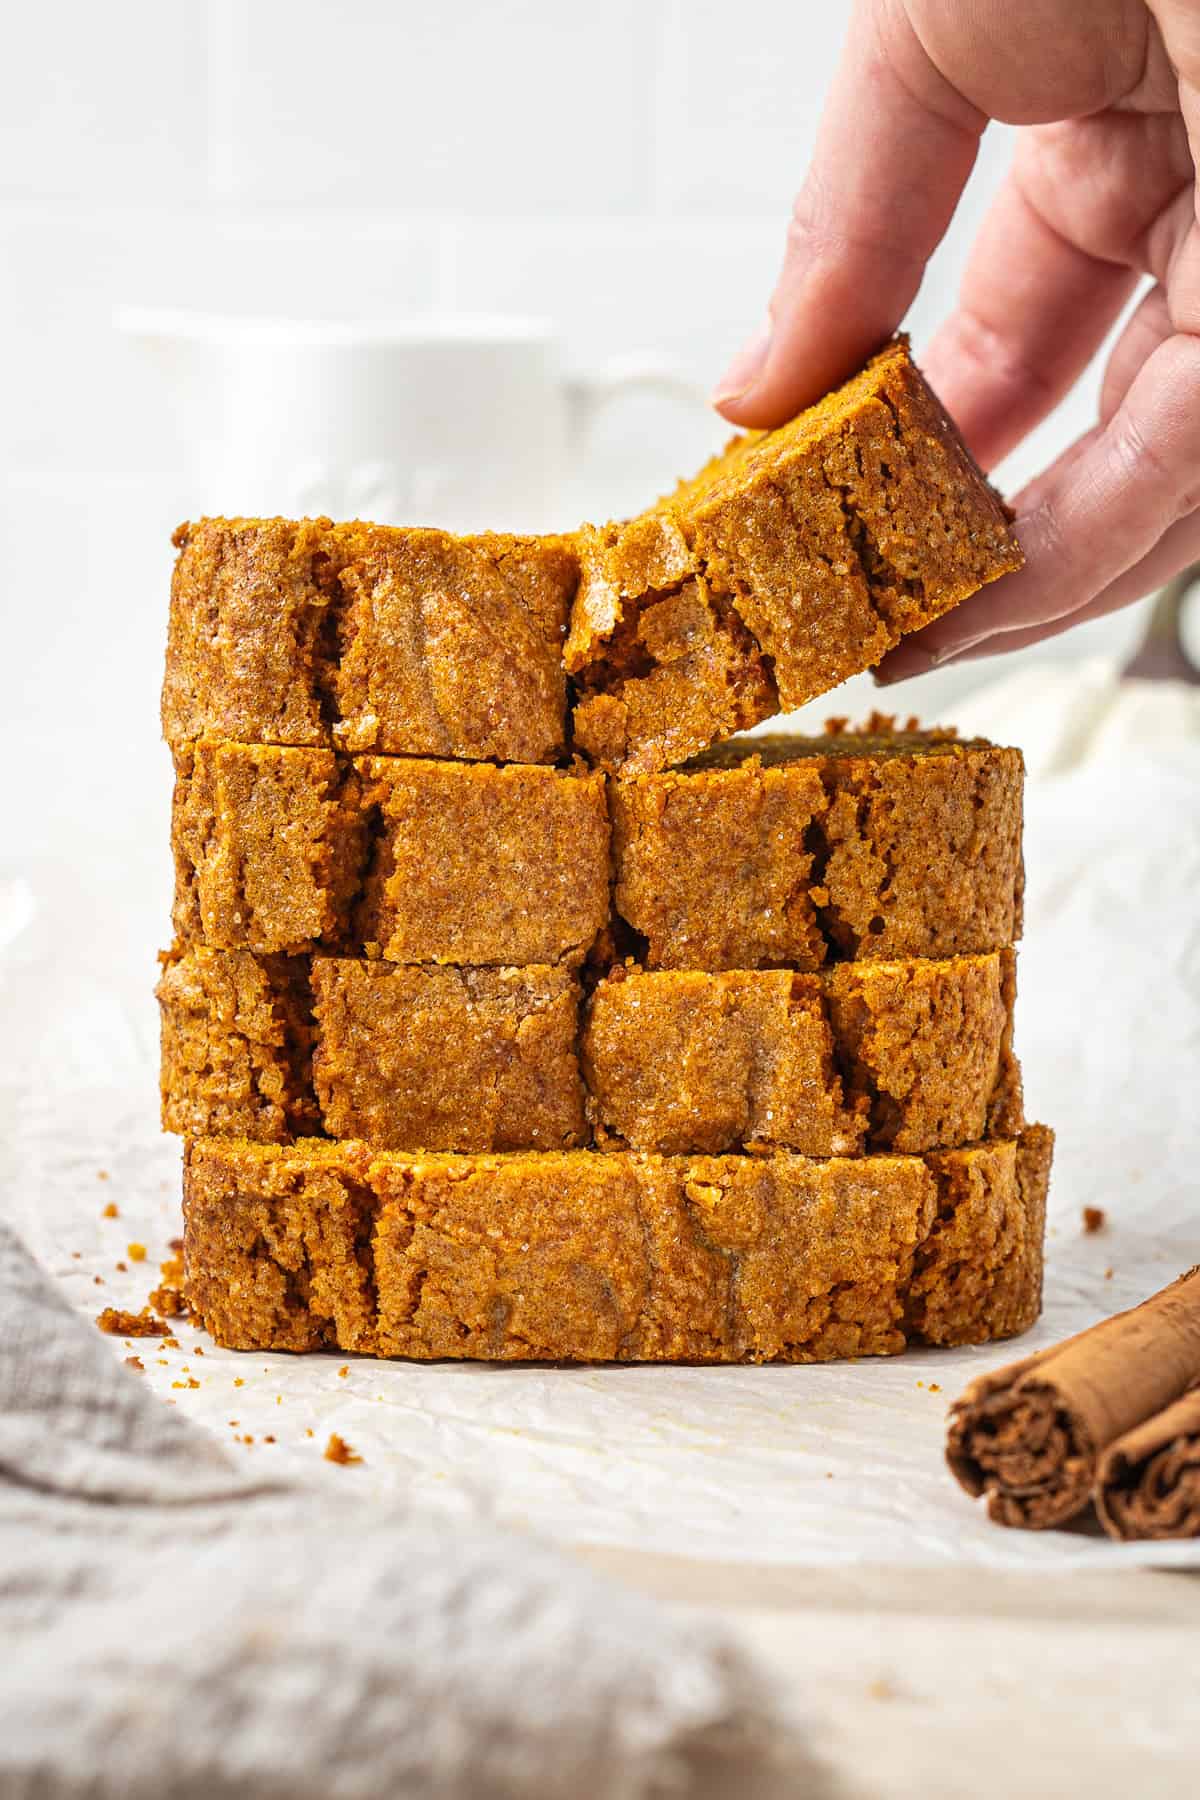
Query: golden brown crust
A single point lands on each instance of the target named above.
(814, 548)
(269, 846)
(436, 1058)
(237, 1038)
(293, 850)
(907, 1056)
(587, 1257)
(364, 637)
(478, 864)
(793, 852)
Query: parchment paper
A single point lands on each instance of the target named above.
(774, 1465)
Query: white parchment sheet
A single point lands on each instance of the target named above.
(776, 1465)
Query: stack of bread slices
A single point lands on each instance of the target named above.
(515, 1012)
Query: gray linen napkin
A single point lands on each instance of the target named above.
(170, 1622)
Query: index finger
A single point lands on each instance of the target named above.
(894, 149)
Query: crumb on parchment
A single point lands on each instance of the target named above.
(110, 1211)
(1094, 1219)
(337, 1450)
(129, 1324)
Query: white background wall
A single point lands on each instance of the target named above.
(625, 167)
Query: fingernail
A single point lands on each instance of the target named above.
(745, 368)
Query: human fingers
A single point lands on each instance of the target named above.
(1032, 311)
(1090, 518)
(894, 149)
(1174, 551)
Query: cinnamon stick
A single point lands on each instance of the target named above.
(1031, 1436)
(1148, 1482)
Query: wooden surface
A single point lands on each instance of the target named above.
(967, 1682)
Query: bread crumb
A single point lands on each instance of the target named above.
(136, 1252)
(344, 1370)
(97, 1281)
(128, 1324)
(135, 1362)
(308, 1431)
(102, 1175)
(122, 1268)
(268, 1439)
(1108, 1274)
(170, 1343)
(197, 1349)
(110, 1211)
(337, 1450)
(1094, 1219)
(191, 1382)
(169, 1301)
(238, 1381)
(935, 1387)
(175, 1244)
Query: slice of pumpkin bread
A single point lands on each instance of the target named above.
(587, 1257)
(290, 850)
(865, 1056)
(790, 852)
(795, 559)
(908, 1056)
(368, 637)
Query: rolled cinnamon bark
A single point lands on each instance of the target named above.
(1031, 1435)
(1148, 1482)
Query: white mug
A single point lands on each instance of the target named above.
(470, 424)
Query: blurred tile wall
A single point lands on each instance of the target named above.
(624, 166)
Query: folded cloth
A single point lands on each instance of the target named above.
(172, 1623)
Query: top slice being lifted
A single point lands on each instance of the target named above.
(795, 559)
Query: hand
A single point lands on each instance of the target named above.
(1102, 191)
